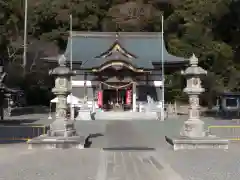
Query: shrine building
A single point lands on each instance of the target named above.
(121, 68)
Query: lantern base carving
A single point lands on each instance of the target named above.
(193, 128)
(48, 142)
(207, 142)
(62, 134)
(62, 128)
(193, 136)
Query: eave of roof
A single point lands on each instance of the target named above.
(145, 45)
(116, 34)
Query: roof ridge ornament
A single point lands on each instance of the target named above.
(193, 60)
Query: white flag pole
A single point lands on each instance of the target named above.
(71, 97)
(163, 75)
(71, 41)
(25, 35)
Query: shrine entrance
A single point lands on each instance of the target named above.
(117, 85)
(114, 99)
(117, 98)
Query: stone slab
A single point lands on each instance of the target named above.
(84, 115)
(87, 164)
(47, 142)
(125, 134)
(126, 115)
(128, 134)
(131, 165)
(207, 142)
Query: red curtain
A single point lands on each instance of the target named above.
(129, 97)
(100, 99)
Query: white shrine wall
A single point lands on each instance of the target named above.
(86, 84)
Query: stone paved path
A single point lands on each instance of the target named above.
(138, 134)
(124, 152)
(19, 163)
(70, 164)
(125, 134)
(122, 165)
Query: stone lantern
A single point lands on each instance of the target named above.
(194, 127)
(193, 135)
(62, 133)
(62, 126)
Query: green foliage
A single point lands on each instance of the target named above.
(210, 29)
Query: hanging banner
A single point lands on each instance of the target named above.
(129, 97)
(100, 99)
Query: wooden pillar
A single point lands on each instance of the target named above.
(147, 79)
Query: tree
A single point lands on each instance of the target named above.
(210, 29)
(190, 30)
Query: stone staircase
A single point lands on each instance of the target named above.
(126, 115)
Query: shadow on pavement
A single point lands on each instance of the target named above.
(88, 141)
(168, 140)
(129, 149)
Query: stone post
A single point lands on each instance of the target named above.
(192, 135)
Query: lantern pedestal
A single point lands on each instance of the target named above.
(62, 128)
(61, 135)
(208, 142)
(48, 142)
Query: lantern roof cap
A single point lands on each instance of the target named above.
(194, 69)
(62, 69)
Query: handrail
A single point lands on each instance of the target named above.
(34, 132)
(232, 137)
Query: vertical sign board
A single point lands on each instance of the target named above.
(129, 97)
(100, 99)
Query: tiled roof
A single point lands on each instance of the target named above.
(145, 46)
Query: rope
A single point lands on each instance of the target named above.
(117, 87)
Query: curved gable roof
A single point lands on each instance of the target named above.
(117, 48)
(146, 46)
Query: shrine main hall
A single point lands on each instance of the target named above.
(119, 69)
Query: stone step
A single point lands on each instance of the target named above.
(126, 116)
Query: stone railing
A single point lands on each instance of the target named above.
(229, 132)
(29, 110)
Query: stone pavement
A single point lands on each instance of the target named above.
(149, 133)
(129, 165)
(205, 164)
(48, 165)
(19, 163)
(85, 164)
(123, 150)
